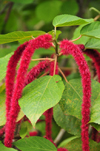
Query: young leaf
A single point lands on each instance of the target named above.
(41, 95)
(19, 35)
(3, 148)
(91, 30)
(70, 123)
(35, 143)
(77, 145)
(69, 20)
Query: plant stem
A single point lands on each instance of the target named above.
(50, 59)
(63, 74)
(97, 17)
(76, 38)
(55, 64)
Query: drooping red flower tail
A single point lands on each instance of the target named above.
(10, 74)
(70, 48)
(43, 41)
(62, 149)
(35, 71)
(49, 113)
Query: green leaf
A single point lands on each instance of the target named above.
(3, 112)
(3, 148)
(63, 143)
(76, 144)
(53, 7)
(96, 126)
(69, 20)
(41, 95)
(3, 65)
(70, 123)
(19, 35)
(91, 30)
(72, 99)
(83, 39)
(69, 7)
(35, 143)
(58, 32)
(22, 1)
(93, 43)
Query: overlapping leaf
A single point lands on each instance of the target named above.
(40, 95)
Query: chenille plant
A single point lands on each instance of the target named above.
(45, 95)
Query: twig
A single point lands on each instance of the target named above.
(44, 74)
(55, 64)
(6, 6)
(59, 136)
(63, 75)
(76, 38)
(50, 59)
(67, 68)
(7, 16)
(97, 17)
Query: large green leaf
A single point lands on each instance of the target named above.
(41, 95)
(19, 35)
(83, 39)
(69, 20)
(47, 10)
(70, 123)
(3, 148)
(72, 99)
(93, 43)
(91, 30)
(3, 65)
(76, 144)
(22, 1)
(3, 111)
(35, 143)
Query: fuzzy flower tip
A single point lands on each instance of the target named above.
(10, 74)
(70, 48)
(62, 149)
(95, 56)
(43, 41)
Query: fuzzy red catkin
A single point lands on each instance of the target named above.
(70, 48)
(35, 71)
(49, 113)
(10, 75)
(41, 41)
(62, 149)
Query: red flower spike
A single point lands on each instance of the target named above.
(41, 41)
(35, 71)
(10, 75)
(70, 48)
(62, 149)
(49, 113)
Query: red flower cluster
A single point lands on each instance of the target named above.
(70, 48)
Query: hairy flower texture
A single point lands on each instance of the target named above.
(43, 41)
(95, 56)
(70, 48)
(35, 71)
(10, 75)
(49, 113)
(62, 149)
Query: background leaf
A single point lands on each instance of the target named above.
(69, 20)
(22, 1)
(19, 36)
(41, 95)
(77, 145)
(91, 30)
(35, 143)
(70, 123)
(93, 43)
(3, 148)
